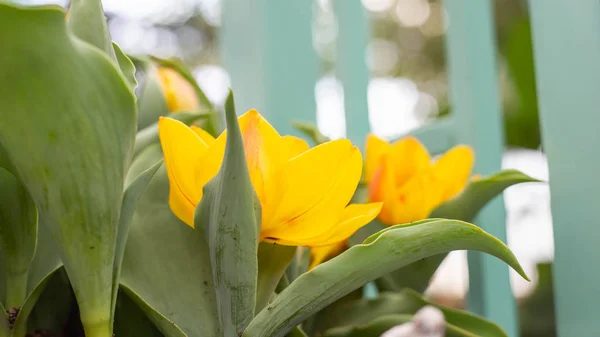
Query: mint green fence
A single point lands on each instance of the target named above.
(267, 45)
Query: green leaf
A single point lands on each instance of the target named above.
(166, 267)
(297, 332)
(130, 320)
(162, 323)
(127, 67)
(151, 100)
(273, 260)
(408, 302)
(360, 264)
(79, 116)
(373, 329)
(20, 325)
(464, 207)
(133, 192)
(478, 193)
(229, 214)
(311, 131)
(87, 21)
(149, 135)
(18, 237)
(4, 327)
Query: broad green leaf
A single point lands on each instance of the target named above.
(212, 123)
(162, 323)
(149, 135)
(408, 302)
(272, 262)
(299, 264)
(229, 214)
(311, 131)
(166, 265)
(18, 237)
(54, 306)
(79, 119)
(87, 21)
(127, 67)
(130, 320)
(133, 192)
(360, 264)
(151, 100)
(20, 325)
(464, 207)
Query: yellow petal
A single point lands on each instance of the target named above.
(264, 154)
(417, 198)
(409, 157)
(205, 136)
(375, 149)
(453, 170)
(383, 188)
(183, 152)
(319, 254)
(354, 217)
(178, 92)
(314, 189)
(294, 146)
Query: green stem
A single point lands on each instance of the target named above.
(97, 328)
(16, 290)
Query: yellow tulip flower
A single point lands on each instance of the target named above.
(410, 184)
(178, 92)
(304, 193)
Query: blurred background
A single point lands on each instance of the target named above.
(408, 87)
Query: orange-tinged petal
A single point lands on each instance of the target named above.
(453, 170)
(183, 152)
(383, 188)
(315, 188)
(178, 92)
(375, 149)
(294, 146)
(409, 157)
(205, 136)
(264, 153)
(320, 254)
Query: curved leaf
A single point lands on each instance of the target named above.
(394, 248)
(166, 263)
(363, 315)
(126, 65)
(20, 325)
(79, 116)
(464, 207)
(133, 192)
(53, 308)
(130, 320)
(374, 328)
(151, 100)
(229, 214)
(87, 21)
(18, 237)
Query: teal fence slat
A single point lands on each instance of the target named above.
(353, 37)
(566, 43)
(477, 116)
(268, 52)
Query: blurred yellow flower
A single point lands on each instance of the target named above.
(304, 193)
(178, 92)
(410, 184)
